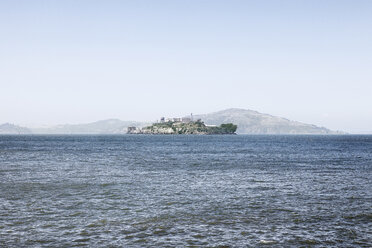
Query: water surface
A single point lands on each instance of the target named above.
(167, 191)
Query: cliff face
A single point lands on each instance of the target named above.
(185, 128)
(154, 129)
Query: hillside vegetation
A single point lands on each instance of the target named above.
(197, 127)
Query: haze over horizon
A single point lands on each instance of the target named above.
(83, 61)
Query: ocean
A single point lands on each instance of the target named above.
(186, 191)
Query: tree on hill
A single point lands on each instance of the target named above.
(229, 127)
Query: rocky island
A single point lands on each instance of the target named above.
(183, 126)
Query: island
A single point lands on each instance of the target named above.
(183, 126)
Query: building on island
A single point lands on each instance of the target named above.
(186, 120)
(175, 119)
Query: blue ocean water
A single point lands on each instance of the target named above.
(186, 191)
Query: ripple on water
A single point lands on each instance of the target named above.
(213, 191)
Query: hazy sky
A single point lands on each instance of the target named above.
(81, 61)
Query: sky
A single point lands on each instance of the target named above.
(76, 61)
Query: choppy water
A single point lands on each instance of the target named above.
(166, 191)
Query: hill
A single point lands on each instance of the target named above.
(110, 126)
(8, 128)
(253, 122)
(248, 122)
